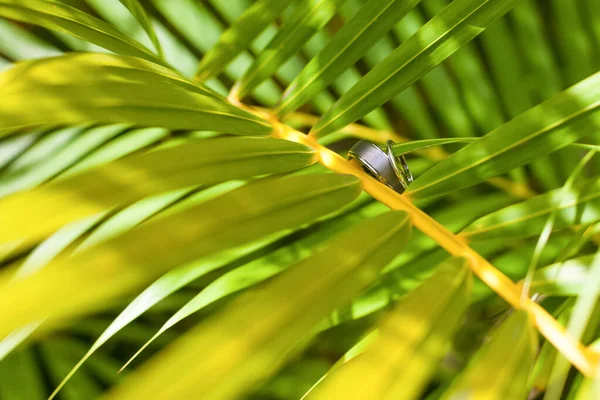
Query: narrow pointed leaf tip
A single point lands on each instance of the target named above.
(199, 162)
(448, 31)
(275, 319)
(410, 343)
(82, 88)
(87, 280)
(139, 12)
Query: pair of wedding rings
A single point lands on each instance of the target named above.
(389, 169)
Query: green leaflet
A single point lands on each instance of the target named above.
(261, 269)
(414, 145)
(20, 44)
(57, 355)
(138, 11)
(127, 143)
(562, 278)
(529, 31)
(177, 278)
(88, 87)
(578, 205)
(199, 162)
(440, 88)
(411, 341)
(13, 148)
(580, 321)
(46, 145)
(239, 36)
(21, 376)
(275, 319)
(572, 40)
(500, 368)
(63, 18)
(201, 29)
(120, 265)
(308, 17)
(548, 127)
(37, 259)
(55, 164)
(349, 44)
(457, 24)
(469, 70)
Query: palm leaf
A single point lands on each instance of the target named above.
(405, 358)
(492, 374)
(309, 16)
(370, 23)
(86, 88)
(293, 314)
(427, 48)
(239, 35)
(139, 12)
(203, 163)
(63, 18)
(265, 203)
(550, 126)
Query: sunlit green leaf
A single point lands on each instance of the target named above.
(563, 278)
(127, 143)
(356, 37)
(579, 205)
(438, 39)
(500, 369)
(548, 127)
(579, 322)
(414, 145)
(264, 268)
(69, 154)
(200, 162)
(275, 319)
(308, 17)
(239, 35)
(410, 342)
(124, 263)
(63, 18)
(138, 11)
(84, 88)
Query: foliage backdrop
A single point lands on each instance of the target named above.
(174, 194)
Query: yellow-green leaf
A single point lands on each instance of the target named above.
(60, 17)
(139, 12)
(411, 341)
(577, 206)
(457, 24)
(563, 278)
(500, 368)
(199, 162)
(543, 129)
(239, 36)
(263, 268)
(89, 87)
(308, 17)
(349, 44)
(88, 279)
(211, 363)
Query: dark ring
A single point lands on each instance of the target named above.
(378, 164)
